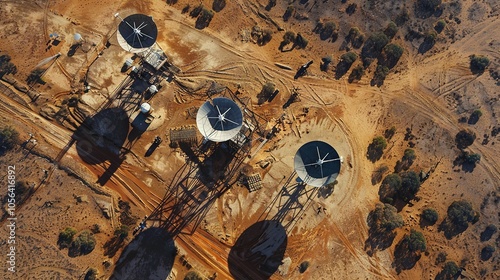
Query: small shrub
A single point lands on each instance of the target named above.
(351, 8)
(389, 133)
(478, 63)
(9, 137)
(474, 117)
(91, 274)
(402, 18)
(325, 62)
(441, 257)
(440, 25)
(193, 275)
(289, 37)
(290, 10)
(303, 266)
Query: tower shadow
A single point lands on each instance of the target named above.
(259, 251)
(150, 256)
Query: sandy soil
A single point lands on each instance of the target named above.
(427, 92)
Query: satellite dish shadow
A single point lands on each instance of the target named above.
(150, 255)
(259, 251)
(102, 135)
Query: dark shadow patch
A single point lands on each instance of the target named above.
(404, 258)
(150, 255)
(105, 133)
(259, 251)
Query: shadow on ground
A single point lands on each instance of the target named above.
(149, 256)
(259, 251)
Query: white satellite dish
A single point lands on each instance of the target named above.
(77, 36)
(219, 120)
(136, 33)
(153, 89)
(317, 163)
(145, 108)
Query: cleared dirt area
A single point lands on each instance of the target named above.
(92, 166)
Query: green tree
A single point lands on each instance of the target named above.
(345, 62)
(449, 271)
(425, 8)
(328, 30)
(376, 148)
(478, 63)
(6, 66)
(83, 244)
(355, 37)
(407, 160)
(488, 232)
(204, 18)
(391, 30)
(464, 139)
(416, 241)
(389, 188)
(384, 218)
(373, 46)
(391, 55)
(379, 76)
(410, 184)
(66, 237)
(460, 213)
(301, 41)
(487, 252)
(430, 215)
(218, 5)
(356, 74)
(122, 232)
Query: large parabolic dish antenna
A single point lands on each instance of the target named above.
(136, 33)
(219, 120)
(317, 163)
